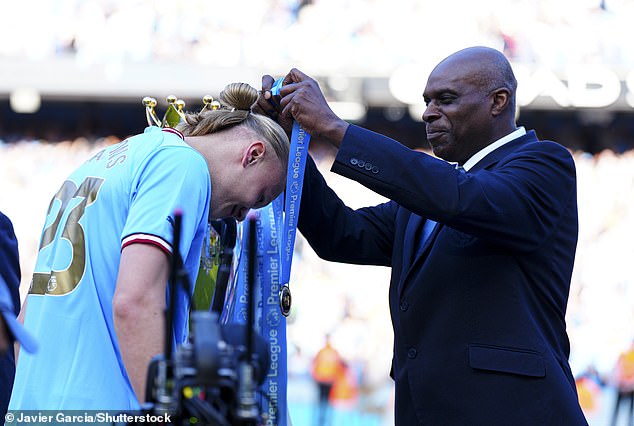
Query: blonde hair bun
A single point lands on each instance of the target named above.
(240, 96)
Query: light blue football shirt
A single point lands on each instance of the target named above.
(125, 194)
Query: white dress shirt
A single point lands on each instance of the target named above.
(520, 131)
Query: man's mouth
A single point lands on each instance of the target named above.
(434, 134)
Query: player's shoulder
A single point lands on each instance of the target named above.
(155, 137)
(167, 143)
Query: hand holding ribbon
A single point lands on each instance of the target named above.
(300, 97)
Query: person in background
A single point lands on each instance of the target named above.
(326, 368)
(99, 288)
(481, 242)
(624, 378)
(589, 386)
(10, 329)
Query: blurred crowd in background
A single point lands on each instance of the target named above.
(371, 34)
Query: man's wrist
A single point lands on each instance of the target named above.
(336, 132)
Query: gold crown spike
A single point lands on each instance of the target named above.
(210, 104)
(175, 110)
(150, 113)
(174, 113)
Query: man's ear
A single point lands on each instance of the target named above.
(253, 153)
(501, 98)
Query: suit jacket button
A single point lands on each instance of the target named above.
(368, 166)
(375, 169)
(404, 306)
(354, 161)
(361, 163)
(411, 353)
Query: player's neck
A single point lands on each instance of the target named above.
(216, 148)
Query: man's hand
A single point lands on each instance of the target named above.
(303, 100)
(269, 105)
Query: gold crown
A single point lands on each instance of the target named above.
(174, 114)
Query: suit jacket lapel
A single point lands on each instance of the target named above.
(409, 242)
(413, 253)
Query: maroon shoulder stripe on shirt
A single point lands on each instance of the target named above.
(147, 239)
(174, 131)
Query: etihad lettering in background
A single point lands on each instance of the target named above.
(582, 86)
(572, 86)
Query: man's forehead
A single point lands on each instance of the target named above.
(448, 76)
(442, 82)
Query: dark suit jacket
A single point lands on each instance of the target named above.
(478, 310)
(10, 271)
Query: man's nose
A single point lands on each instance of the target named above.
(430, 114)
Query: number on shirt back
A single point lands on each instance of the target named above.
(65, 229)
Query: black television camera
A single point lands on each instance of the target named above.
(213, 378)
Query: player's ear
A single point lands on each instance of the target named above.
(253, 153)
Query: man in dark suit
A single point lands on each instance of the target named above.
(481, 245)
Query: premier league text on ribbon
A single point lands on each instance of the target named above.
(299, 160)
(272, 319)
